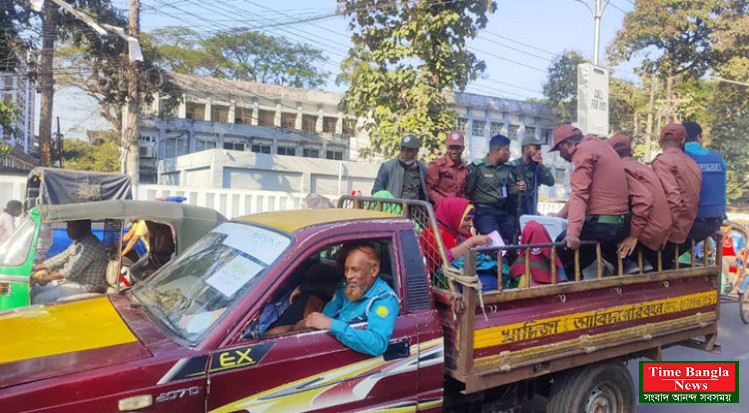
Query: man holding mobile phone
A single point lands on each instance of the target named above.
(531, 170)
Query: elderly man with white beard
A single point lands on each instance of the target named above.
(362, 297)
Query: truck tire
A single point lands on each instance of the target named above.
(604, 387)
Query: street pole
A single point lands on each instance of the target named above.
(46, 80)
(649, 126)
(130, 130)
(597, 13)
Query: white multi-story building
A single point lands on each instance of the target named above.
(18, 88)
(269, 120)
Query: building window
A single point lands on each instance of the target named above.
(337, 155)
(266, 117)
(235, 146)
(309, 123)
(329, 124)
(219, 113)
(462, 125)
(243, 116)
(288, 120)
(195, 111)
(530, 131)
(311, 153)
(286, 150)
(496, 128)
(545, 136)
(204, 145)
(512, 131)
(260, 148)
(174, 147)
(349, 127)
(478, 128)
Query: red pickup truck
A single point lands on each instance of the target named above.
(188, 338)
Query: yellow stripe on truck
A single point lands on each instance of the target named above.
(58, 329)
(517, 332)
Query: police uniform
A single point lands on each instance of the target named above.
(378, 307)
(493, 190)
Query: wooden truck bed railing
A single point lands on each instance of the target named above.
(500, 337)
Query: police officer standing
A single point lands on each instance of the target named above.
(493, 187)
(712, 207)
(531, 169)
(403, 176)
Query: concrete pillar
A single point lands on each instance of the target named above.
(182, 111)
(505, 123)
(207, 116)
(255, 110)
(277, 118)
(318, 125)
(161, 140)
(220, 143)
(190, 140)
(339, 124)
(232, 111)
(299, 114)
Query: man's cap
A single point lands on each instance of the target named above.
(561, 133)
(529, 140)
(455, 138)
(673, 132)
(410, 141)
(693, 129)
(620, 143)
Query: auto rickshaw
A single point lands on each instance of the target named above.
(31, 239)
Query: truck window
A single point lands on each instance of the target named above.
(190, 294)
(315, 281)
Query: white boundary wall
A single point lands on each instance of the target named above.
(230, 202)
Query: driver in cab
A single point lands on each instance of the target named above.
(362, 297)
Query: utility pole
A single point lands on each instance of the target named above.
(130, 130)
(649, 133)
(597, 13)
(46, 80)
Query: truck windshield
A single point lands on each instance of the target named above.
(14, 251)
(191, 293)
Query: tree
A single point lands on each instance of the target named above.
(257, 57)
(560, 89)
(102, 156)
(7, 114)
(179, 49)
(98, 65)
(406, 57)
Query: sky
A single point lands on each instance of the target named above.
(518, 44)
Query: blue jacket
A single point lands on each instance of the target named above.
(378, 307)
(713, 191)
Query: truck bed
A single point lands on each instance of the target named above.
(538, 330)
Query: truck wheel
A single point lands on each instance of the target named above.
(597, 388)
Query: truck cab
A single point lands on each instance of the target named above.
(187, 340)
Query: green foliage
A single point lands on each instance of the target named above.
(258, 57)
(681, 31)
(102, 157)
(560, 88)
(406, 57)
(239, 55)
(7, 114)
(102, 63)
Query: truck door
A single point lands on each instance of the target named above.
(308, 370)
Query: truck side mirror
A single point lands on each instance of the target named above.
(252, 331)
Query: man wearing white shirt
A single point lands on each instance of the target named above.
(7, 218)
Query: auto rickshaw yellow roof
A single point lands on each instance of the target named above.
(295, 219)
